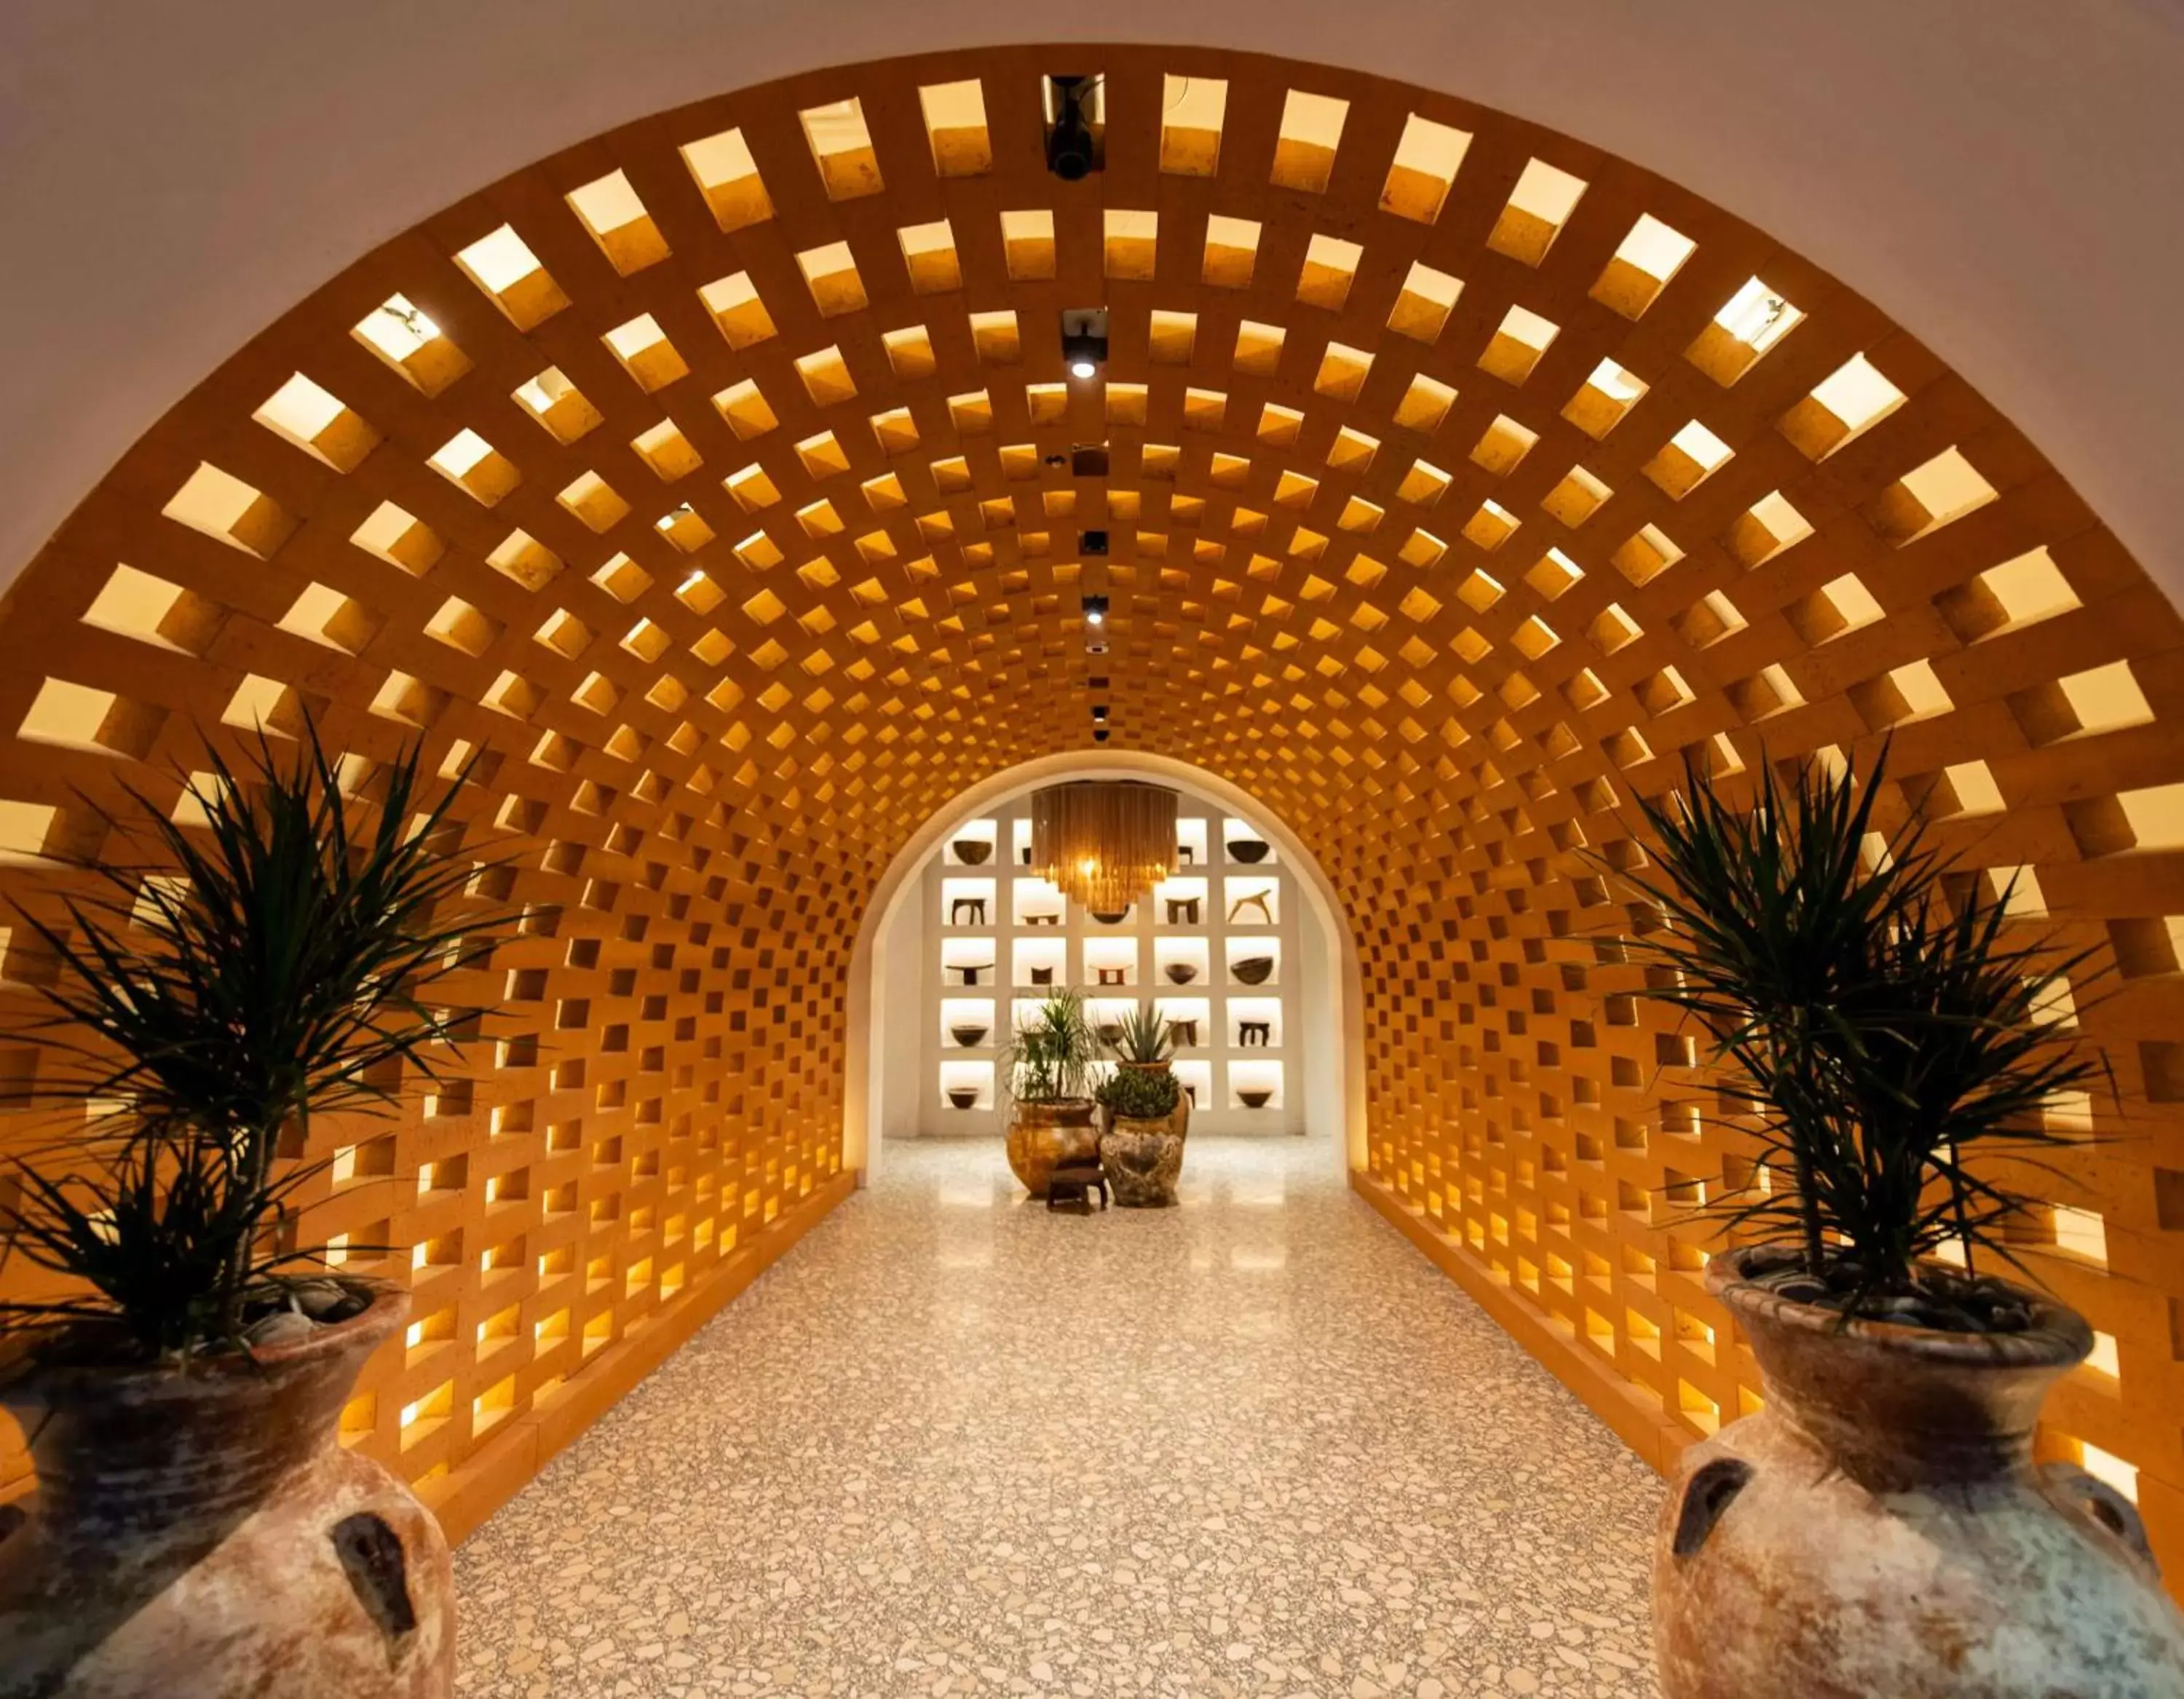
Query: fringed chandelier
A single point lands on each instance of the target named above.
(1103, 844)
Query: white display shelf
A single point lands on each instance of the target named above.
(1033, 942)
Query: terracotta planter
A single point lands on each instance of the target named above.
(1142, 1159)
(1882, 1528)
(201, 1534)
(1046, 1136)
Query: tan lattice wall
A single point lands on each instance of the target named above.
(774, 564)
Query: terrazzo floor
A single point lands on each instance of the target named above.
(953, 1444)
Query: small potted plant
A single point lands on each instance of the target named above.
(1048, 1065)
(1883, 1033)
(1141, 1149)
(1142, 1039)
(197, 1529)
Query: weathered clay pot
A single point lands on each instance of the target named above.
(202, 1533)
(1880, 1527)
(1143, 1159)
(1046, 1136)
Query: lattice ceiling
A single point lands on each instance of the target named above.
(721, 477)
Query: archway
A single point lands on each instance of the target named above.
(716, 479)
(1333, 1003)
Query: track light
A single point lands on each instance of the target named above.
(1085, 341)
(1095, 611)
(1073, 138)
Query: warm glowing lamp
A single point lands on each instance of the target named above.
(1103, 844)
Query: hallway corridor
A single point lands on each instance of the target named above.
(955, 1443)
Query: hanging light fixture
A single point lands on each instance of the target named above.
(1103, 844)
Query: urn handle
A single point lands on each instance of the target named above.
(1713, 1487)
(2106, 1506)
(378, 1570)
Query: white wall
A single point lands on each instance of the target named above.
(2003, 176)
(898, 1016)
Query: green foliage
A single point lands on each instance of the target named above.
(269, 963)
(1139, 1094)
(1049, 1057)
(1142, 1035)
(1883, 1026)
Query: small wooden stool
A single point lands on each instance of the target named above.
(1260, 1032)
(1073, 1188)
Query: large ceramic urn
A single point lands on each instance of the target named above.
(1880, 1527)
(1142, 1156)
(200, 1533)
(1050, 1135)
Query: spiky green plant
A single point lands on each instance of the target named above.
(1048, 1057)
(1142, 1035)
(1883, 1028)
(1139, 1094)
(271, 961)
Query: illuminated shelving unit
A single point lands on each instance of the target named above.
(1215, 948)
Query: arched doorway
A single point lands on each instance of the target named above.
(1331, 998)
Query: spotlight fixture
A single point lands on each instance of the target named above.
(1100, 736)
(1075, 133)
(1095, 611)
(1084, 340)
(1092, 542)
(1100, 713)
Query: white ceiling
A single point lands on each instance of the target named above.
(2004, 177)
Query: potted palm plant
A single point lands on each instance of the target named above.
(1885, 1035)
(197, 1528)
(1047, 1065)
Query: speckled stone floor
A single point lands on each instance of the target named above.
(955, 1445)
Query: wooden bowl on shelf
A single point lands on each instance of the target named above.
(970, 1035)
(1257, 1098)
(1181, 972)
(1252, 970)
(971, 852)
(1247, 849)
(961, 1098)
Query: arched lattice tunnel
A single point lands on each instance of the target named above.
(721, 481)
